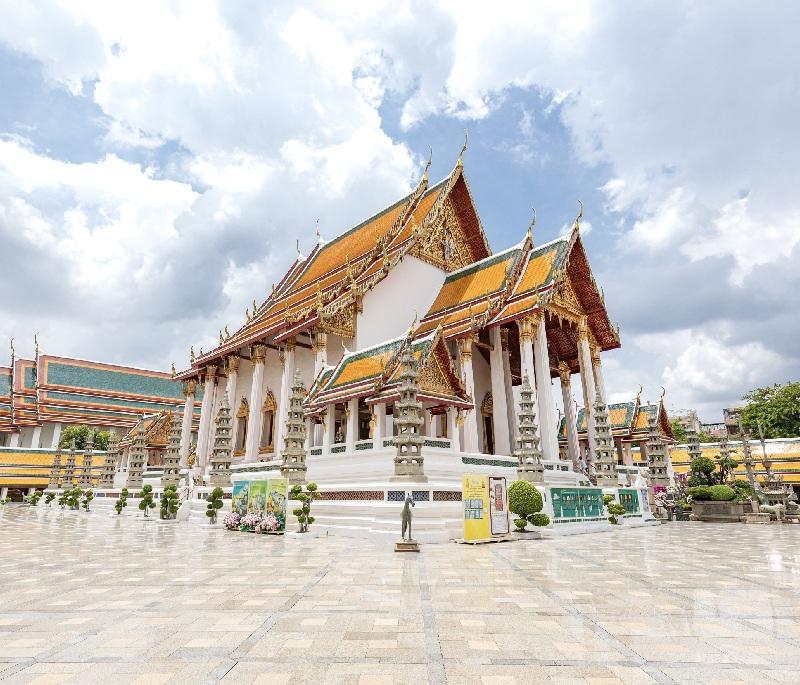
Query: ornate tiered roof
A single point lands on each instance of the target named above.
(373, 374)
(520, 282)
(437, 224)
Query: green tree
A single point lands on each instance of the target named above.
(303, 512)
(88, 496)
(146, 499)
(81, 434)
(49, 497)
(703, 467)
(679, 430)
(775, 408)
(35, 497)
(214, 501)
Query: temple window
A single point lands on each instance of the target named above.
(242, 415)
(268, 409)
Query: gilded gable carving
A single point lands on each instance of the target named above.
(565, 303)
(342, 322)
(444, 244)
(433, 379)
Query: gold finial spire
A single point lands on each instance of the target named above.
(13, 353)
(191, 354)
(413, 323)
(174, 373)
(460, 162)
(577, 223)
(36, 343)
(297, 247)
(316, 230)
(532, 224)
(639, 395)
(428, 163)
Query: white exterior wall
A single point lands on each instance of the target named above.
(389, 307)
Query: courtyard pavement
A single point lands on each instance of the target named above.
(87, 598)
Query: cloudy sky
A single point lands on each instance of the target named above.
(158, 160)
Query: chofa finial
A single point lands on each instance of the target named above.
(578, 218)
(460, 162)
(663, 392)
(192, 356)
(36, 343)
(319, 235)
(428, 163)
(532, 224)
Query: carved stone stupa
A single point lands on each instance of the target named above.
(528, 452)
(408, 460)
(293, 466)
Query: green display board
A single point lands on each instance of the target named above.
(630, 500)
(571, 503)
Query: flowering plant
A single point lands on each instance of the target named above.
(269, 524)
(249, 522)
(232, 520)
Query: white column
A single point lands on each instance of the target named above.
(4, 490)
(510, 409)
(206, 416)
(569, 413)
(587, 382)
(527, 332)
(380, 425)
(232, 364)
(351, 432)
(257, 357)
(186, 422)
(329, 429)
(309, 440)
(502, 439)
(471, 420)
(14, 440)
(286, 357)
(36, 437)
(453, 429)
(548, 428)
(597, 373)
(320, 347)
(56, 436)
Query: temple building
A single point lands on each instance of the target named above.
(418, 275)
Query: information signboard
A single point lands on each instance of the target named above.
(498, 505)
(573, 503)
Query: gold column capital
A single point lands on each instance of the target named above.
(232, 361)
(565, 372)
(290, 344)
(465, 347)
(528, 327)
(211, 372)
(583, 328)
(259, 353)
(319, 341)
(504, 339)
(189, 387)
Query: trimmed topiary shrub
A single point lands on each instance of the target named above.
(49, 497)
(303, 512)
(214, 501)
(122, 502)
(147, 501)
(36, 495)
(540, 519)
(700, 493)
(722, 493)
(524, 500)
(169, 503)
(74, 498)
(88, 496)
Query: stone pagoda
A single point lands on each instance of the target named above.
(755, 488)
(293, 465)
(605, 459)
(408, 460)
(773, 487)
(528, 452)
(85, 480)
(172, 460)
(692, 443)
(136, 460)
(55, 472)
(110, 463)
(69, 468)
(221, 455)
(656, 453)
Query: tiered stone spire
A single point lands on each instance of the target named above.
(773, 486)
(693, 444)
(221, 456)
(85, 480)
(408, 460)
(293, 466)
(55, 472)
(656, 453)
(605, 460)
(172, 460)
(110, 464)
(136, 460)
(69, 468)
(528, 452)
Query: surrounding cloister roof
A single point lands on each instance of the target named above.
(372, 373)
(627, 420)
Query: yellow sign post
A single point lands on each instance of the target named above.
(475, 497)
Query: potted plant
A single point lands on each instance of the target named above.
(716, 503)
(122, 501)
(169, 503)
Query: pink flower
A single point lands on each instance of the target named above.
(232, 520)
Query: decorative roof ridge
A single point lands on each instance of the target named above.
(486, 261)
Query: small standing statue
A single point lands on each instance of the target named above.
(406, 544)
